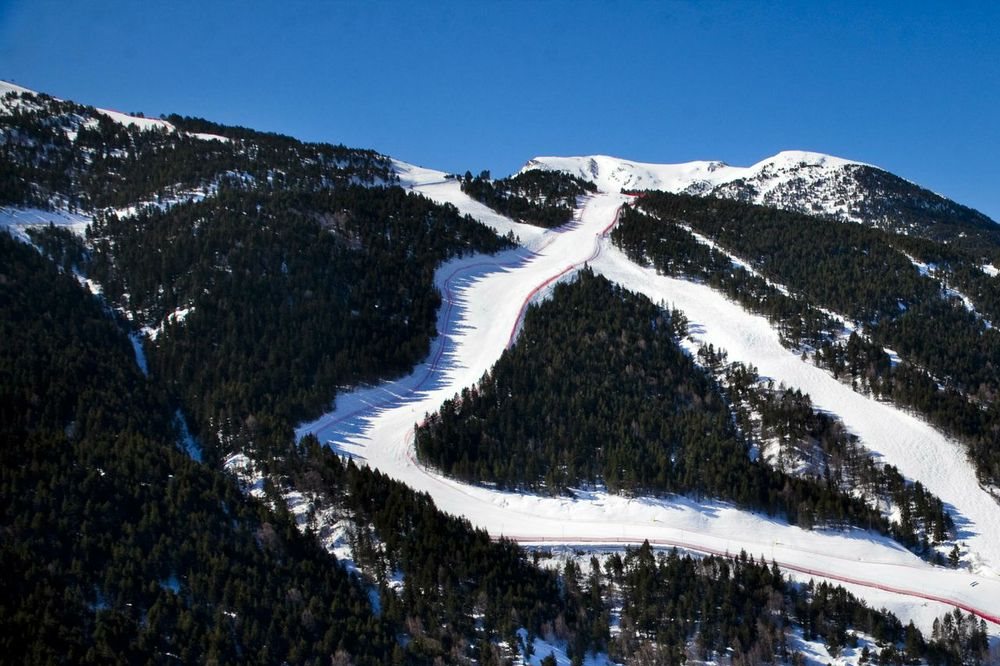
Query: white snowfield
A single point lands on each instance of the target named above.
(612, 174)
(796, 180)
(18, 220)
(484, 297)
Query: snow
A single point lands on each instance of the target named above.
(542, 648)
(187, 440)
(8, 87)
(140, 353)
(931, 270)
(806, 182)
(483, 300)
(176, 317)
(433, 185)
(122, 118)
(990, 270)
(143, 124)
(204, 136)
(17, 220)
(612, 174)
(243, 469)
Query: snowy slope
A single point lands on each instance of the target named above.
(483, 300)
(435, 186)
(804, 182)
(765, 182)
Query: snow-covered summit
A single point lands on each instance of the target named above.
(801, 181)
(793, 179)
(612, 174)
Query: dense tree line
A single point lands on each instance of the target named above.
(543, 198)
(117, 547)
(73, 156)
(831, 264)
(961, 267)
(461, 592)
(120, 547)
(951, 360)
(901, 207)
(598, 390)
(675, 608)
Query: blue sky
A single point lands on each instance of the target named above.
(911, 87)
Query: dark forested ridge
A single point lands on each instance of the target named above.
(544, 198)
(117, 547)
(951, 357)
(899, 206)
(74, 156)
(274, 272)
(744, 608)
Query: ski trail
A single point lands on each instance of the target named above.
(484, 302)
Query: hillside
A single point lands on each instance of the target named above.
(802, 182)
(296, 308)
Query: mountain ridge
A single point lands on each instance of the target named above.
(800, 181)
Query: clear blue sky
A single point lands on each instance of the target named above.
(909, 86)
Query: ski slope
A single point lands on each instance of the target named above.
(484, 298)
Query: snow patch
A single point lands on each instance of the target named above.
(16, 220)
(176, 317)
(140, 353)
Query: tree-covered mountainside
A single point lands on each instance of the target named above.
(744, 609)
(265, 275)
(271, 272)
(950, 369)
(288, 295)
(74, 156)
(544, 198)
(597, 390)
(120, 548)
(117, 547)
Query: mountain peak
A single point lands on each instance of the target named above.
(808, 158)
(613, 173)
(797, 180)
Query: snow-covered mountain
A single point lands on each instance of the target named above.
(176, 221)
(805, 182)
